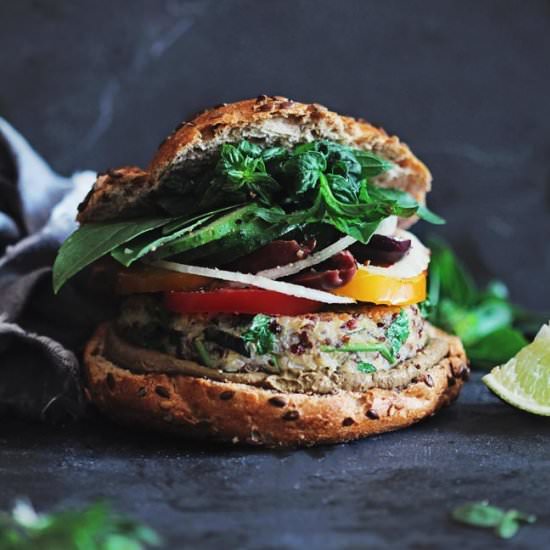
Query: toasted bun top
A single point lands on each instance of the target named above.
(274, 120)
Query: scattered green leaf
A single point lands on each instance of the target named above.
(481, 514)
(96, 527)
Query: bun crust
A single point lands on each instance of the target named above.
(271, 119)
(240, 413)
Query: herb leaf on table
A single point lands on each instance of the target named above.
(95, 527)
(506, 524)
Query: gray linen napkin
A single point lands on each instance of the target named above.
(41, 335)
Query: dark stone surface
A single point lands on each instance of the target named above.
(394, 490)
(98, 84)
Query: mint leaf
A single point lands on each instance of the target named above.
(259, 334)
(245, 174)
(398, 332)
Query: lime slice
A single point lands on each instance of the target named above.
(524, 381)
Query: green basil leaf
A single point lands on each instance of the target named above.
(455, 283)
(304, 170)
(94, 240)
(372, 165)
(274, 153)
(424, 213)
(476, 322)
(496, 347)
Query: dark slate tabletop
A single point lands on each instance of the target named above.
(394, 490)
(466, 84)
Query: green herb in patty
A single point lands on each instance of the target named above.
(375, 347)
(202, 352)
(398, 332)
(366, 368)
(259, 335)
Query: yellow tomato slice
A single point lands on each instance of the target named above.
(380, 289)
(141, 279)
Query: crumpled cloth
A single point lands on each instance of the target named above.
(41, 335)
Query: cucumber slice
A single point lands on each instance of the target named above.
(242, 221)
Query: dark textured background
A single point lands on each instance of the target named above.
(466, 84)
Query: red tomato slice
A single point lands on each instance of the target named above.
(239, 300)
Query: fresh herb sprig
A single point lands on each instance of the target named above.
(96, 527)
(492, 329)
(320, 181)
(396, 335)
(398, 332)
(259, 334)
(506, 523)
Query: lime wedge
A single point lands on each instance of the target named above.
(524, 381)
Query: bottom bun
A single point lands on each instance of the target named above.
(241, 413)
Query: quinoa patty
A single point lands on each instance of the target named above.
(304, 350)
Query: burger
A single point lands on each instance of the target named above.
(271, 293)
